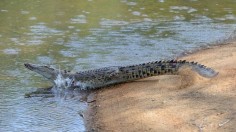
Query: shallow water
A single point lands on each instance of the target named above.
(80, 35)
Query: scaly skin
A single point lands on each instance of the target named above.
(102, 77)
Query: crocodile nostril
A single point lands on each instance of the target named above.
(28, 66)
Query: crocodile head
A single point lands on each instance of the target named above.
(45, 71)
(60, 79)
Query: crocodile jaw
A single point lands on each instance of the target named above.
(57, 77)
(45, 71)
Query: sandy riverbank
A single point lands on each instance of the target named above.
(185, 102)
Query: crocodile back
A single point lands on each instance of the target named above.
(118, 74)
(98, 77)
(134, 72)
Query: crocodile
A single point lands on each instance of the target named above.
(97, 78)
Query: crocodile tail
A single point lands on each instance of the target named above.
(144, 70)
(202, 70)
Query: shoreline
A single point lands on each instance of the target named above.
(151, 104)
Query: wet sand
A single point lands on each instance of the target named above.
(184, 102)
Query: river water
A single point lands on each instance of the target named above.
(86, 34)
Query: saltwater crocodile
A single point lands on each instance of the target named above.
(93, 79)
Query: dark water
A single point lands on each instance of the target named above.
(80, 35)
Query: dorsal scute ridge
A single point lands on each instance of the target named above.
(173, 61)
(182, 61)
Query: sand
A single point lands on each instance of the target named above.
(184, 102)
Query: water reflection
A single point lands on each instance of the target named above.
(11, 51)
(49, 114)
(39, 32)
(79, 19)
(80, 35)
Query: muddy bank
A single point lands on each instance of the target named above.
(184, 102)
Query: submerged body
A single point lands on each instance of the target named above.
(102, 77)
